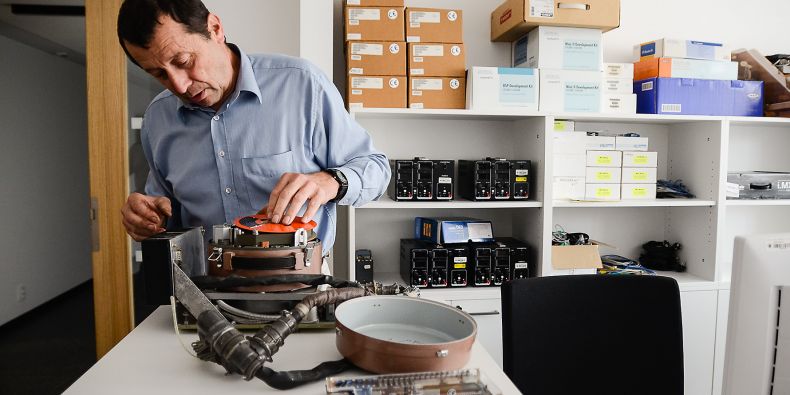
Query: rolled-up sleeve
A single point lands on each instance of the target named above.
(339, 142)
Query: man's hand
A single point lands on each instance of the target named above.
(144, 216)
(294, 189)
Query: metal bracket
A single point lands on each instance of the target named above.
(216, 256)
(300, 238)
(308, 254)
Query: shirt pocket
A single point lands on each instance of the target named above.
(262, 173)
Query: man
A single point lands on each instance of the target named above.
(236, 134)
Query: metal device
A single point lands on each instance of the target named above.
(364, 266)
(422, 179)
(494, 179)
(469, 382)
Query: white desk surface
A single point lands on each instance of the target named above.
(151, 360)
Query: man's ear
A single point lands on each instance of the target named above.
(214, 26)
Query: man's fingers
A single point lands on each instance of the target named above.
(285, 196)
(281, 183)
(144, 209)
(312, 208)
(307, 191)
(163, 206)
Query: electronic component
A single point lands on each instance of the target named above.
(364, 266)
(518, 263)
(421, 179)
(758, 185)
(474, 179)
(425, 264)
(493, 179)
(468, 381)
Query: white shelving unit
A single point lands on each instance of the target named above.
(699, 150)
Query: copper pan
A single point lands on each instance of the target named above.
(399, 334)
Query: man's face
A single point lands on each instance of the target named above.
(196, 69)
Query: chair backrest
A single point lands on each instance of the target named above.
(593, 334)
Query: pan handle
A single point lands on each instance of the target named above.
(492, 312)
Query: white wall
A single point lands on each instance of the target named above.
(44, 203)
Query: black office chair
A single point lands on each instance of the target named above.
(593, 334)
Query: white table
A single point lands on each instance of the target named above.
(151, 360)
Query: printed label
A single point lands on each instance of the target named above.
(582, 97)
(364, 14)
(521, 265)
(417, 59)
(355, 70)
(783, 185)
(354, 36)
(352, 2)
(603, 175)
(366, 49)
(639, 175)
(424, 17)
(541, 8)
(452, 16)
(428, 50)
(394, 83)
(517, 88)
(413, 39)
(581, 54)
(356, 91)
(417, 71)
(367, 83)
(459, 266)
(641, 192)
(641, 159)
(603, 160)
(603, 192)
(647, 86)
(418, 106)
(416, 93)
(355, 105)
(671, 107)
(459, 259)
(392, 14)
(521, 179)
(479, 231)
(394, 48)
(353, 22)
(701, 50)
(356, 57)
(428, 84)
(779, 244)
(454, 84)
(647, 49)
(445, 180)
(455, 50)
(522, 172)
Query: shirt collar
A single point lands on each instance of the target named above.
(245, 81)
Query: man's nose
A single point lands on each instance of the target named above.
(180, 81)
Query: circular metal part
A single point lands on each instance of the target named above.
(222, 234)
(399, 334)
(260, 223)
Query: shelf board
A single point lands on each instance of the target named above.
(638, 203)
(444, 294)
(387, 203)
(637, 118)
(690, 282)
(409, 113)
(750, 121)
(758, 202)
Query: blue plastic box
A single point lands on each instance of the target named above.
(689, 96)
(451, 230)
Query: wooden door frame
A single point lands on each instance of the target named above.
(109, 181)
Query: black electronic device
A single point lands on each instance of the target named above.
(519, 179)
(427, 265)
(482, 268)
(500, 178)
(364, 266)
(458, 260)
(759, 185)
(474, 179)
(180, 247)
(518, 257)
(421, 179)
(494, 179)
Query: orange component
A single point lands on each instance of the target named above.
(260, 222)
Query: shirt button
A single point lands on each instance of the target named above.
(221, 154)
(228, 190)
(216, 118)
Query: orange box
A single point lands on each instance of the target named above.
(376, 92)
(437, 92)
(515, 18)
(376, 58)
(374, 23)
(434, 25)
(437, 60)
(375, 3)
(685, 68)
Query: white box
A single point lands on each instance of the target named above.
(618, 70)
(570, 143)
(623, 143)
(689, 49)
(572, 165)
(618, 103)
(564, 126)
(568, 188)
(638, 191)
(602, 192)
(639, 175)
(600, 143)
(604, 158)
(622, 86)
(502, 87)
(640, 159)
(603, 175)
(570, 91)
(552, 47)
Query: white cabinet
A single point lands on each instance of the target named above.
(699, 339)
(488, 315)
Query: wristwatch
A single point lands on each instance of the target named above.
(342, 180)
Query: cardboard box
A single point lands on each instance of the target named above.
(437, 92)
(500, 87)
(639, 175)
(638, 191)
(375, 3)
(374, 24)
(376, 57)
(688, 49)
(621, 86)
(570, 165)
(604, 158)
(688, 96)
(564, 126)
(566, 48)
(376, 92)
(570, 91)
(618, 70)
(599, 143)
(570, 143)
(514, 18)
(618, 103)
(434, 25)
(567, 187)
(602, 192)
(685, 68)
(603, 175)
(437, 60)
(623, 143)
(640, 159)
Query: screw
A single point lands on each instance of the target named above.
(21, 292)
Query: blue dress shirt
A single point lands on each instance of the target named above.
(284, 115)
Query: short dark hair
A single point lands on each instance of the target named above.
(137, 19)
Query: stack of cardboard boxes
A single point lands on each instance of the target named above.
(692, 77)
(375, 54)
(596, 167)
(381, 35)
(562, 43)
